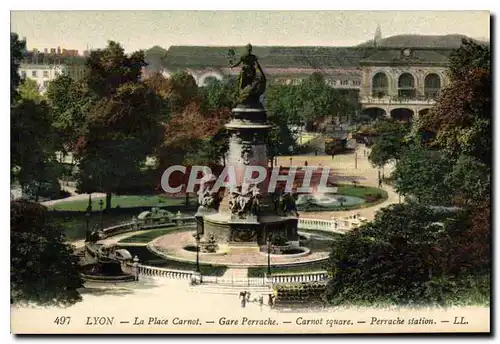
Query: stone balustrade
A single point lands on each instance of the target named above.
(320, 276)
(153, 271)
(340, 225)
(130, 226)
(241, 282)
(398, 100)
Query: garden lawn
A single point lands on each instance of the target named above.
(360, 191)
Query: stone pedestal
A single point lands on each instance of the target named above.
(248, 130)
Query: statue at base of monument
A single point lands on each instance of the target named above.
(252, 81)
(244, 202)
(207, 198)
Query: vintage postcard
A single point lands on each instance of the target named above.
(250, 172)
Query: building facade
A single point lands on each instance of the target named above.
(44, 67)
(42, 74)
(403, 83)
(399, 76)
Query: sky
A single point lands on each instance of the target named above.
(136, 30)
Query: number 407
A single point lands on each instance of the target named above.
(62, 320)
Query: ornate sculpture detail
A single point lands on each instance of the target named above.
(246, 154)
(207, 198)
(244, 202)
(243, 234)
(252, 81)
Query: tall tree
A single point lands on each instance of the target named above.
(461, 119)
(389, 142)
(122, 126)
(408, 255)
(422, 173)
(17, 49)
(120, 132)
(43, 268)
(181, 91)
(70, 102)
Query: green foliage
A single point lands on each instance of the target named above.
(406, 256)
(122, 125)
(422, 173)
(470, 56)
(461, 119)
(219, 94)
(33, 147)
(17, 48)
(299, 293)
(43, 267)
(389, 143)
(469, 179)
(70, 103)
(28, 90)
(182, 90)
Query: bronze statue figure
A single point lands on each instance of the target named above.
(252, 81)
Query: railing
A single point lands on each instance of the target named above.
(398, 100)
(242, 282)
(153, 271)
(140, 225)
(337, 225)
(320, 276)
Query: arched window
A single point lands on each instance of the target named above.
(380, 85)
(432, 86)
(406, 86)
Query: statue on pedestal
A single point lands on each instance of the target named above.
(252, 81)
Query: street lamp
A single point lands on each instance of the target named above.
(197, 237)
(269, 254)
(100, 207)
(87, 219)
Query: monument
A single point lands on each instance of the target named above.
(246, 215)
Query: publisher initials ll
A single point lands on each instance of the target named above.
(460, 321)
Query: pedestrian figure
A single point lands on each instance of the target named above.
(261, 301)
(380, 182)
(270, 301)
(248, 295)
(243, 302)
(305, 164)
(316, 152)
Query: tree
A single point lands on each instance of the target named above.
(17, 49)
(219, 94)
(406, 256)
(43, 267)
(70, 103)
(181, 91)
(422, 173)
(389, 142)
(461, 119)
(119, 133)
(33, 147)
(28, 90)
